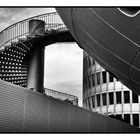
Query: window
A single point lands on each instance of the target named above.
(126, 97)
(111, 98)
(127, 118)
(104, 76)
(89, 103)
(86, 104)
(89, 83)
(119, 117)
(93, 79)
(85, 85)
(134, 97)
(112, 116)
(89, 59)
(98, 100)
(85, 63)
(98, 78)
(136, 119)
(90, 79)
(93, 62)
(118, 96)
(93, 101)
(110, 78)
(116, 79)
(104, 98)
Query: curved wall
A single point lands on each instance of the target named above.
(105, 94)
(107, 34)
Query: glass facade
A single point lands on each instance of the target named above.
(104, 94)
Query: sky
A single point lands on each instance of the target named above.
(9, 16)
(63, 62)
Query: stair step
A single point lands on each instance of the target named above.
(7, 46)
(30, 36)
(39, 35)
(22, 39)
(2, 49)
(14, 42)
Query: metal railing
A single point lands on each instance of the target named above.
(62, 96)
(21, 29)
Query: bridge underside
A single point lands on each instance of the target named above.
(24, 110)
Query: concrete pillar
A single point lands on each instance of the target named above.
(36, 58)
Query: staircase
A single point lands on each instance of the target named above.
(16, 43)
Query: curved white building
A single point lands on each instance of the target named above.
(105, 94)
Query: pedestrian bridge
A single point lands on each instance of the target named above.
(23, 107)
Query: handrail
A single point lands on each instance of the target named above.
(21, 29)
(61, 92)
(57, 93)
(27, 19)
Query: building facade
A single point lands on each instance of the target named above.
(104, 94)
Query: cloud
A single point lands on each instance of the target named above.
(6, 14)
(62, 62)
(10, 16)
(63, 68)
(70, 87)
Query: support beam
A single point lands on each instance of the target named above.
(36, 58)
(36, 69)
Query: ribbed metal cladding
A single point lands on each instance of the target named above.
(79, 121)
(58, 116)
(97, 124)
(35, 118)
(23, 110)
(11, 108)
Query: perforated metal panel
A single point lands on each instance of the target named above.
(12, 68)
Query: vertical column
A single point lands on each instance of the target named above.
(101, 84)
(107, 94)
(36, 27)
(139, 109)
(95, 79)
(122, 101)
(36, 58)
(131, 114)
(115, 98)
